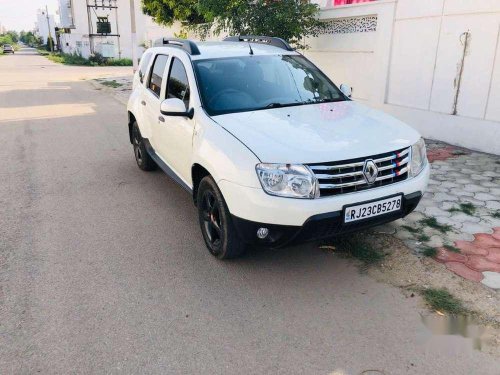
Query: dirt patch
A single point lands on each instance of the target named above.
(400, 267)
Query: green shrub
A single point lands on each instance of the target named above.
(74, 59)
(119, 62)
(77, 59)
(50, 42)
(97, 59)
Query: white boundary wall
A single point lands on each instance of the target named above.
(409, 66)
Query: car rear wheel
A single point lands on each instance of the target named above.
(142, 157)
(216, 224)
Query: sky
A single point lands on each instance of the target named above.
(21, 14)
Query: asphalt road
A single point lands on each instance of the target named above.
(103, 268)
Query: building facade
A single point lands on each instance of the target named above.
(104, 26)
(45, 25)
(434, 64)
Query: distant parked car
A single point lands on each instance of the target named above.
(7, 48)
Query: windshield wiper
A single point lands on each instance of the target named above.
(327, 100)
(310, 101)
(279, 105)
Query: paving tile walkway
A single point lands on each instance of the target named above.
(458, 220)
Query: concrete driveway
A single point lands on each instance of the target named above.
(103, 268)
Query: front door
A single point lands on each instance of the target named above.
(175, 134)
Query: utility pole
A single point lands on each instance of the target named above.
(49, 38)
(134, 36)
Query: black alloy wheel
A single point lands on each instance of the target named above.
(216, 224)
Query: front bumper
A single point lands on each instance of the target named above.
(253, 204)
(317, 227)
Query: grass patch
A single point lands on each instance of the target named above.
(77, 59)
(429, 252)
(411, 229)
(466, 208)
(423, 237)
(356, 247)
(119, 62)
(432, 222)
(496, 214)
(43, 52)
(444, 301)
(112, 84)
(452, 248)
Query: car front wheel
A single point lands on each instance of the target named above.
(216, 224)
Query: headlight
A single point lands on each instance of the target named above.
(418, 157)
(288, 180)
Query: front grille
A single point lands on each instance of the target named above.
(346, 176)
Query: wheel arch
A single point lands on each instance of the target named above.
(198, 172)
(131, 120)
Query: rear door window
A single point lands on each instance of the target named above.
(156, 78)
(178, 85)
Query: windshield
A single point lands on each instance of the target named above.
(249, 83)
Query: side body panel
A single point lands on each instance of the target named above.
(134, 105)
(222, 154)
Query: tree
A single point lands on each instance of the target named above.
(291, 20)
(9, 37)
(28, 38)
(5, 39)
(166, 12)
(14, 35)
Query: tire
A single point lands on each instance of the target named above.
(216, 225)
(142, 157)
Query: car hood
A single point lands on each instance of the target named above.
(318, 132)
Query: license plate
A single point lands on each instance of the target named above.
(372, 209)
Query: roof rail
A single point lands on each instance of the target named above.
(187, 45)
(269, 40)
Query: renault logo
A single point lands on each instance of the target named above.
(370, 171)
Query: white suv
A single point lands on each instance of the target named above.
(270, 149)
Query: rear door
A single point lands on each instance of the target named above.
(152, 95)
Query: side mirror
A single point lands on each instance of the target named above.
(175, 107)
(346, 90)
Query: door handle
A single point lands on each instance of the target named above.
(143, 102)
(161, 119)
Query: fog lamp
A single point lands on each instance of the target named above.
(262, 233)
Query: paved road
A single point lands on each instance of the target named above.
(103, 268)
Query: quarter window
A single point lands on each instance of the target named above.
(157, 74)
(178, 85)
(144, 65)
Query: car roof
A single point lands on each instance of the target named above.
(211, 50)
